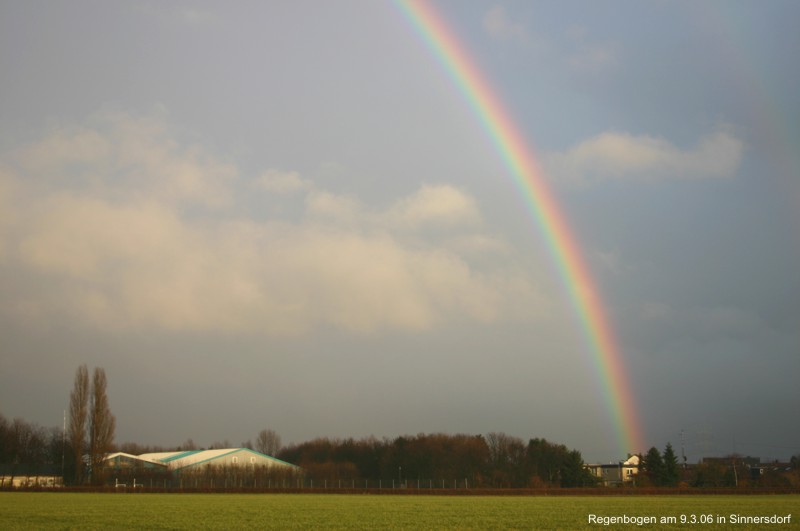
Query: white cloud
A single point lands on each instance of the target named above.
(440, 205)
(337, 208)
(283, 183)
(437, 207)
(500, 25)
(139, 153)
(613, 155)
(116, 225)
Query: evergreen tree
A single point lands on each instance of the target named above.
(653, 466)
(671, 473)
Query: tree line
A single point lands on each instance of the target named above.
(76, 452)
(496, 460)
(29, 449)
(659, 469)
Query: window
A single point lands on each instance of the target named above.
(252, 460)
(235, 460)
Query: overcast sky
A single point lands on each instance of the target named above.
(284, 215)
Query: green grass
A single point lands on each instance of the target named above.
(20, 510)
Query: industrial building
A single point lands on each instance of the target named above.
(227, 457)
(221, 468)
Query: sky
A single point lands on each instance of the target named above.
(285, 215)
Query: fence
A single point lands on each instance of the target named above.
(200, 483)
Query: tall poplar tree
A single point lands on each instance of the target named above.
(102, 425)
(78, 415)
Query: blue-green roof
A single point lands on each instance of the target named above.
(179, 455)
(232, 451)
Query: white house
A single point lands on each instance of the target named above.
(616, 473)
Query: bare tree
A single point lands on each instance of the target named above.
(102, 424)
(268, 442)
(506, 456)
(188, 444)
(78, 414)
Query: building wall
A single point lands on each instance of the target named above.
(31, 481)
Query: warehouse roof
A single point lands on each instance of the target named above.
(188, 458)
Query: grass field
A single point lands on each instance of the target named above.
(20, 510)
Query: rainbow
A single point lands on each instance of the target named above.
(548, 218)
